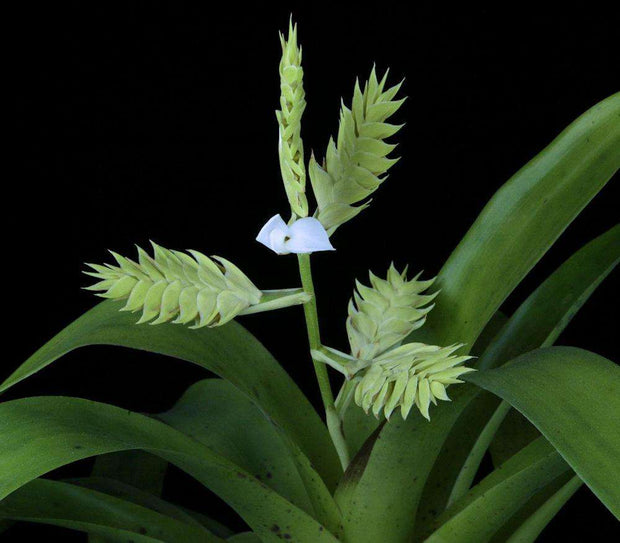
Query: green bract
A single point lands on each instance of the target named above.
(173, 285)
(292, 103)
(355, 165)
(548, 415)
(410, 374)
(384, 315)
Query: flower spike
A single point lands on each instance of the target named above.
(382, 315)
(413, 374)
(173, 285)
(355, 165)
(292, 104)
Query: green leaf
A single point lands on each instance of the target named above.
(127, 492)
(381, 490)
(537, 322)
(489, 332)
(573, 397)
(521, 222)
(136, 468)
(529, 531)
(114, 519)
(228, 351)
(358, 427)
(451, 460)
(547, 311)
(513, 434)
(530, 508)
(244, 537)
(142, 470)
(219, 416)
(490, 504)
(42, 434)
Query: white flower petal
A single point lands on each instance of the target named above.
(277, 241)
(307, 235)
(276, 223)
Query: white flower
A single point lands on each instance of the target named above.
(305, 235)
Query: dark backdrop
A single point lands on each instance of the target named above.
(140, 121)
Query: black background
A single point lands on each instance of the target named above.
(140, 121)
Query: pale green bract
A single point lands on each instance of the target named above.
(354, 167)
(293, 104)
(384, 314)
(380, 318)
(172, 285)
(414, 373)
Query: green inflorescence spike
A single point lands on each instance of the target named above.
(355, 165)
(172, 286)
(292, 104)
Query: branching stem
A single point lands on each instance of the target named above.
(314, 337)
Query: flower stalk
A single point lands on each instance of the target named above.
(314, 338)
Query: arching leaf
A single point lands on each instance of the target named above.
(51, 432)
(573, 397)
(97, 513)
(521, 222)
(228, 351)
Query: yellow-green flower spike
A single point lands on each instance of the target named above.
(412, 374)
(382, 315)
(292, 104)
(171, 285)
(354, 167)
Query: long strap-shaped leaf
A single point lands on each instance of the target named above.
(229, 351)
(452, 459)
(97, 513)
(537, 322)
(219, 416)
(529, 531)
(130, 493)
(547, 311)
(137, 469)
(521, 221)
(381, 489)
(44, 433)
(531, 507)
(487, 506)
(573, 397)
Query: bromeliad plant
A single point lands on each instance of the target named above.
(388, 466)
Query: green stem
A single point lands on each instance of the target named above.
(277, 299)
(314, 337)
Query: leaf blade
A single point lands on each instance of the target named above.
(521, 222)
(490, 504)
(54, 431)
(225, 351)
(79, 508)
(572, 397)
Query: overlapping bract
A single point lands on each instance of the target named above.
(380, 318)
(293, 104)
(384, 314)
(412, 374)
(173, 285)
(354, 167)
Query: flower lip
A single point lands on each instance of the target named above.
(305, 235)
